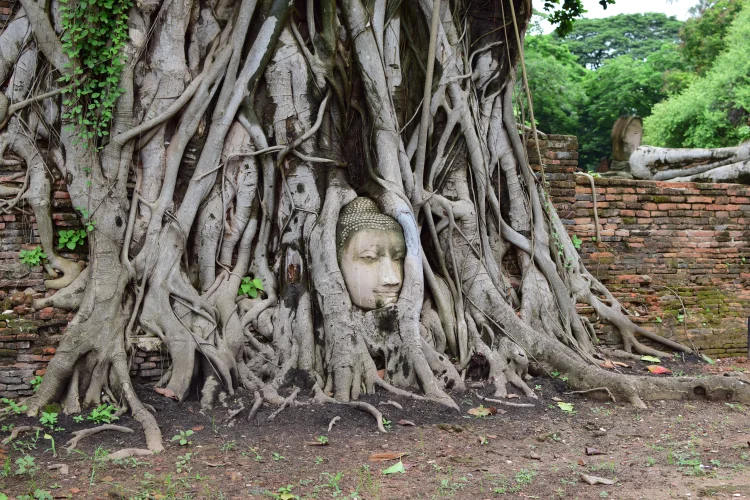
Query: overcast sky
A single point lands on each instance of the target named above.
(677, 8)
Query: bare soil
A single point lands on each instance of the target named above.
(674, 449)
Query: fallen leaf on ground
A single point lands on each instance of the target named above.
(483, 411)
(395, 468)
(389, 455)
(592, 480)
(74, 490)
(593, 451)
(555, 398)
(651, 359)
(166, 392)
(198, 428)
(512, 396)
(618, 363)
(108, 479)
(403, 421)
(607, 364)
(659, 370)
(581, 462)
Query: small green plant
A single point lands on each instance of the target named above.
(386, 423)
(36, 382)
(576, 241)
(71, 238)
(25, 465)
(322, 440)
(52, 444)
(182, 437)
(319, 460)
(285, 493)
(525, 476)
(183, 462)
(32, 257)
(257, 456)
(250, 287)
(49, 419)
(78, 418)
(228, 446)
(103, 414)
(7, 428)
(278, 456)
(14, 407)
(333, 481)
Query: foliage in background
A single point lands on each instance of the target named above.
(714, 111)
(703, 34)
(95, 32)
(626, 65)
(595, 41)
(554, 77)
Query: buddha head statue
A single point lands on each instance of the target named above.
(371, 248)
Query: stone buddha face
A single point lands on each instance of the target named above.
(371, 251)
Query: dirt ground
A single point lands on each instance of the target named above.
(674, 449)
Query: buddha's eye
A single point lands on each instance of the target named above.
(368, 256)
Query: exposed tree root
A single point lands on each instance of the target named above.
(20, 430)
(84, 433)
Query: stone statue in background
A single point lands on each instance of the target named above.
(626, 136)
(371, 249)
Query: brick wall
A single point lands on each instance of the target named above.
(28, 338)
(677, 255)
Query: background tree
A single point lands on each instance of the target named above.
(211, 160)
(714, 111)
(594, 41)
(703, 35)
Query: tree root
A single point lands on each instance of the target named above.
(286, 403)
(84, 433)
(257, 403)
(391, 403)
(19, 430)
(128, 452)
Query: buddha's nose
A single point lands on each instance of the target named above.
(389, 273)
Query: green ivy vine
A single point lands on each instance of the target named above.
(94, 34)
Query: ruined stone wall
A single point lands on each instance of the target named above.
(677, 255)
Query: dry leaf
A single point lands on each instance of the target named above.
(581, 462)
(483, 411)
(659, 370)
(608, 364)
(512, 396)
(618, 363)
(74, 490)
(198, 428)
(388, 455)
(592, 451)
(381, 374)
(166, 392)
(403, 421)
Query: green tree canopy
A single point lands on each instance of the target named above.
(595, 41)
(703, 35)
(555, 82)
(714, 111)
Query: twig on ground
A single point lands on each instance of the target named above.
(506, 403)
(333, 422)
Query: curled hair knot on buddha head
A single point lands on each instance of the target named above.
(362, 213)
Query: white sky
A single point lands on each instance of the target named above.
(677, 8)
